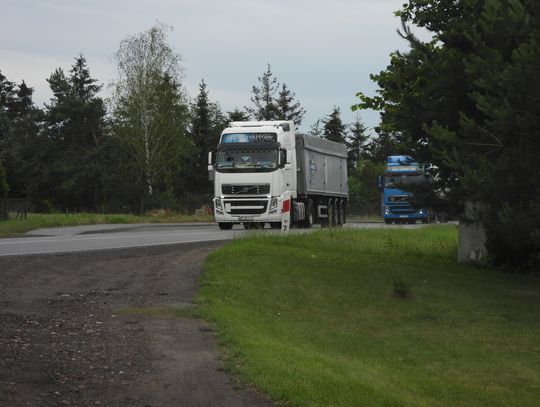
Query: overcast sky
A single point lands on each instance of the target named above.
(323, 50)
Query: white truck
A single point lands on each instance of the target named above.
(262, 169)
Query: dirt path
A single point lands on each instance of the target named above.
(68, 338)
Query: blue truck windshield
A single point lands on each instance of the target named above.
(247, 160)
(394, 180)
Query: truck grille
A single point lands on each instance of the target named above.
(403, 209)
(232, 189)
(250, 207)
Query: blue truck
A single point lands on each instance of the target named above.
(396, 207)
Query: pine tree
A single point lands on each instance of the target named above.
(207, 121)
(24, 148)
(75, 123)
(316, 129)
(265, 107)
(288, 108)
(237, 116)
(334, 128)
(355, 141)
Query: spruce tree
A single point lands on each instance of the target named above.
(355, 141)
(272, 103)
(24, 147)
(287, 107)
(334, 128)
(207, 122)
(75, 123)
(237, 116)
(263, 99)
(316, 129)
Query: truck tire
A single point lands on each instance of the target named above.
(331, 214)
(343, 213)
(225, 225)
(337, 214)
(308, 222)
(340, 213)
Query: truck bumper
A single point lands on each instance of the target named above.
(389, 215)
(241, 210)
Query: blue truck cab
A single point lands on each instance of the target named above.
(400, 170)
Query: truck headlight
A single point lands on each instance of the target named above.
(219, 207)
(273, 205)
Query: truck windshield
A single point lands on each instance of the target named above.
(394, 180)
(247, 160)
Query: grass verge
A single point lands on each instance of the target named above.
(13, 227)
(374, 318)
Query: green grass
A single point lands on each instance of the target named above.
(365, 218)
(315, 320)
(33, 221)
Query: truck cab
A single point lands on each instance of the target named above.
(401, 170)
(253, 169)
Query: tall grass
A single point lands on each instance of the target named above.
(314, 320)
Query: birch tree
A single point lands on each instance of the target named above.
(150, 108)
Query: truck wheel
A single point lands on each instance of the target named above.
(388, 221)
(330, 218)
(225, 226)
(343, 214)
(338, 218)
(309, 215)
(337, 214)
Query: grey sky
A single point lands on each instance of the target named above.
(323, 50)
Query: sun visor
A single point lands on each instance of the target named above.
(249, 146)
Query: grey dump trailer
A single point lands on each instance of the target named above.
(321, 182)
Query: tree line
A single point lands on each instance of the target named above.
(144, 147)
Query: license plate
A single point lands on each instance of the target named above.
(402, 216)
(245, 218)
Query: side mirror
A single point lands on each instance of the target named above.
(282, 158)
(380, 182)
(210, 158)
(289, 157)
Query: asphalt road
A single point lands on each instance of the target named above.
(102, 237)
